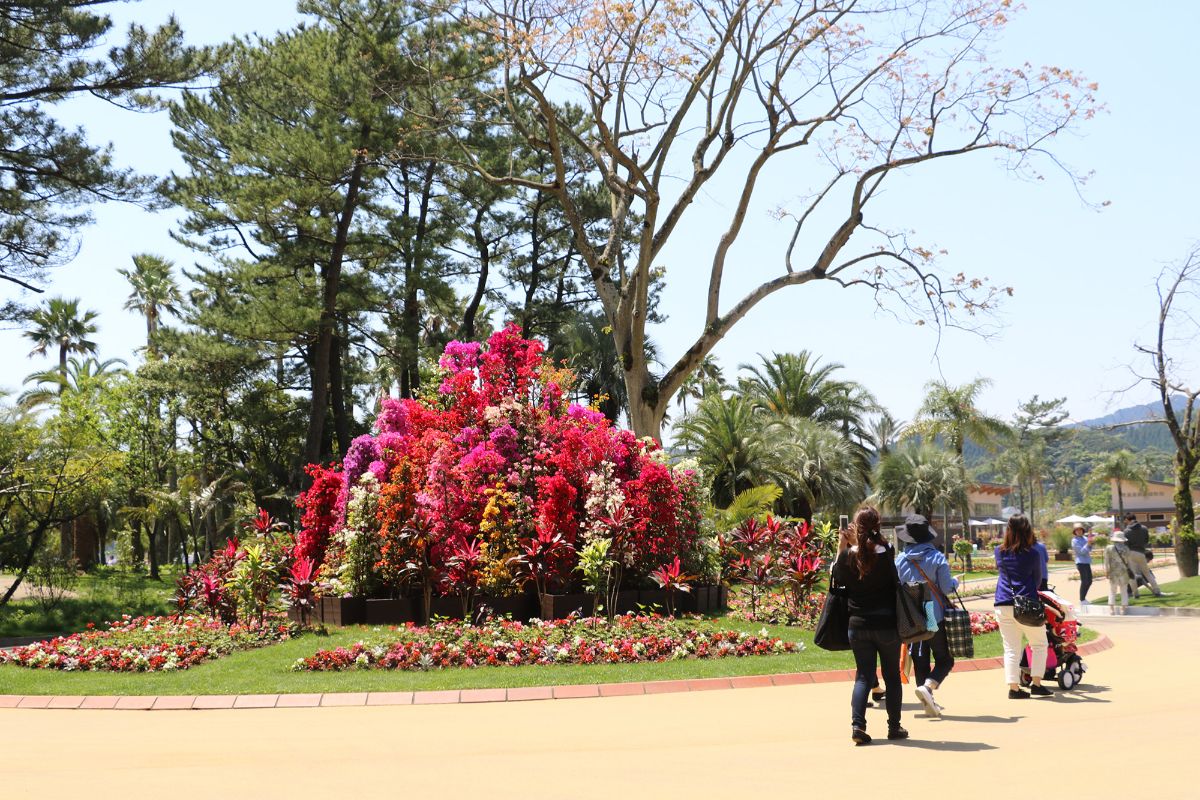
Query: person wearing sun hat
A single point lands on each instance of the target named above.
(922, 562)
(1081, 544)
(1116, 564)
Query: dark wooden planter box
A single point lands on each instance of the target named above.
(654, 600)
(392, 612)
(722, 598)
(1063, 557)
(560, 606)
(342, 611)
(448, 606)
(518, 606)
(700, 600)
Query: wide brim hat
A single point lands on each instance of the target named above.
(916, 530)
(1117, 537)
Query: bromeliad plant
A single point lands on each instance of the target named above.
(463, 573)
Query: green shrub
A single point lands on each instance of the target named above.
(1100, 541)
(1061, 537)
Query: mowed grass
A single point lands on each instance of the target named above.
(1181, 593)
(103, 594)
(267, 670)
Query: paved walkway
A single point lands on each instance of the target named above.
(779, 741)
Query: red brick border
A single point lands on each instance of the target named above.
(459, 696)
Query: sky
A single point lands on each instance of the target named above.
(1083, 279)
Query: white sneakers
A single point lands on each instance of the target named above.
(925, 695)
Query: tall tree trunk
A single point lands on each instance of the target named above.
(485, 260)
(153, 533)
(414, 270)
(337, 394)
(331, 278)
(1185, 518)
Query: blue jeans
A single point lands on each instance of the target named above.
(871, 647)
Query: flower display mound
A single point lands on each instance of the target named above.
(577, 640)
(145, 644)
(494, 481)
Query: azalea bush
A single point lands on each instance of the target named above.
(146, 644)
(495, 480)
(624, 640)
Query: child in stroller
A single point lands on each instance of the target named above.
(1063, 662)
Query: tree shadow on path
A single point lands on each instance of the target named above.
(986, 718)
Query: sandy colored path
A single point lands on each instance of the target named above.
(780, 742)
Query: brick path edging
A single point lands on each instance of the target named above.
(344, 699)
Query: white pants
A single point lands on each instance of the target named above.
(1011, 632)
(1140, 567)
(1118, 587)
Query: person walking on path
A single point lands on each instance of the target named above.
(921, 562)
(1116, 565)
(868, 572)
(1137, 539)
(1081, 544)
(1020, 573)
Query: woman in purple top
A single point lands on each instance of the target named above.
(1020, 574)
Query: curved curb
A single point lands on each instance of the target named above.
(576, 691)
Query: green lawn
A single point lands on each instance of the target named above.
(266, 671)
(104, 594)
(1185, 592)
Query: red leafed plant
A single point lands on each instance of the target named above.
(542, 560)
(300, 587)
(463, 572)
(671, 577)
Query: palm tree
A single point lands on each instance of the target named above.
(922, 476)
(707, 377)
(59, 324)
(798, 385)
(589, 350)
(726, 437)
(951, 413)
(83, 375)
(1120, 466)
(154, 291)
(818, 468)
(884, 431)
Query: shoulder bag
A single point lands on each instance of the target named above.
(911, 622)
(956, 622)
(833, 626)
(1029, 611)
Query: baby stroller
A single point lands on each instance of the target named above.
(1063, 662)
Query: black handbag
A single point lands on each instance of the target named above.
(833, 626)
(1028, 611)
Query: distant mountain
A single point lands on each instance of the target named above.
(1131, 414)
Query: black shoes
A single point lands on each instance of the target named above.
(897, 732)
(1039, 691)
(878, 698)
(859, 736)
(1017, 694)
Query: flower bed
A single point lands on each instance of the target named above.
(625, 640)
(983, 622)
(145, 644)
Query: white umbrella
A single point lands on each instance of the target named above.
(979, 523)
(995, 521)
(1099, 519)
(1071, 520)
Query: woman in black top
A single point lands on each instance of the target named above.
(866, 573)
